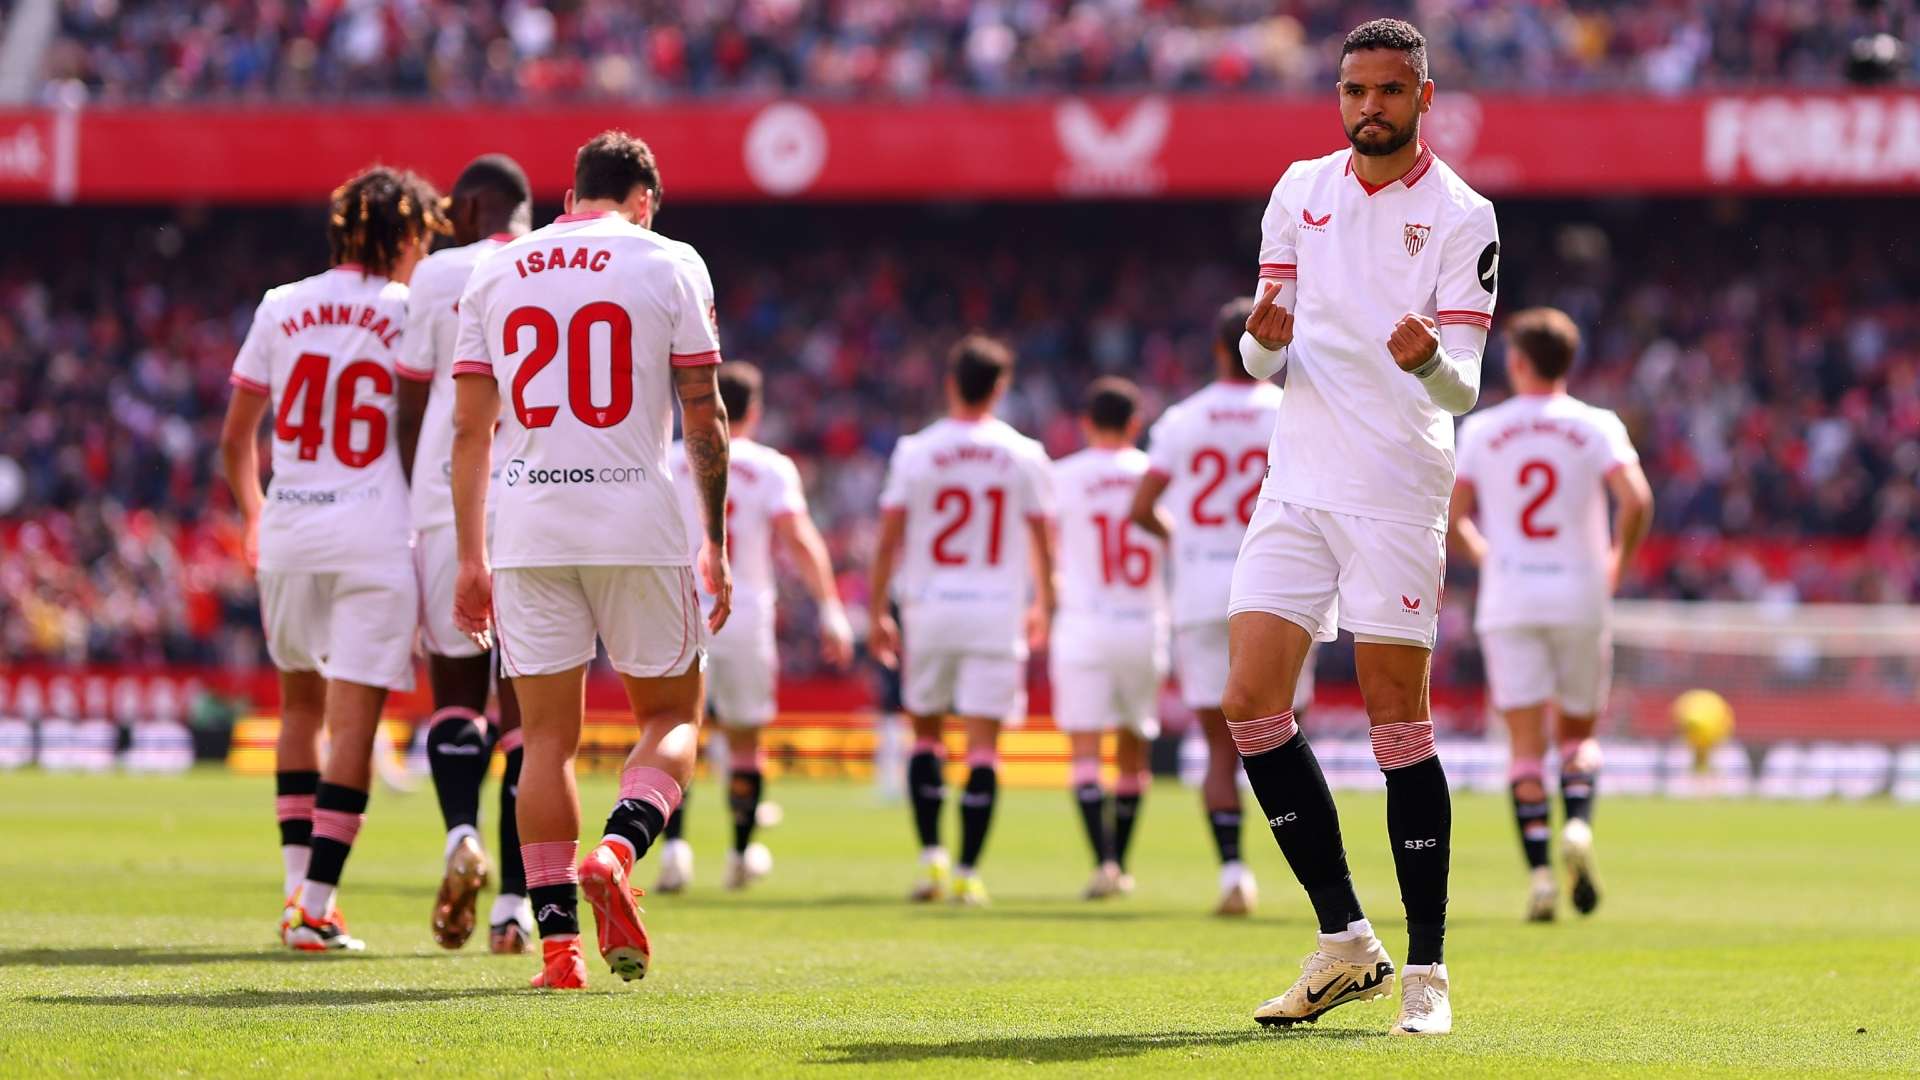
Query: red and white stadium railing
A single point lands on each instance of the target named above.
(1031, 148)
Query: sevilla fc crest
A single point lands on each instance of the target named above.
(1416, 236)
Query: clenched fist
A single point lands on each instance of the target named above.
(1414, 340)
(1270, 324)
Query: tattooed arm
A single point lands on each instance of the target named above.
(703, 425)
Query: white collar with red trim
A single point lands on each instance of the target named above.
(1421, 164)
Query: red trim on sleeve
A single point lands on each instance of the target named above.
(411, 374)
(245, 383)
(699, 359)
(472, 367)
(1463, 481)
(1156, 471)
(1283, 271)
(1460, 316)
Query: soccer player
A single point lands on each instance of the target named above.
(963, 515)
(765, 506)
(1536, 471)
(330, 535)
(488, 207)
(1109, 650)
(585, 330)
(1377, 276)
(1208, 456)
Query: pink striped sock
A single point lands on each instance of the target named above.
(510, 741)
(1581, 757)
(293, 807)
(551, 862)
(1525, 769)
(983, 759)
(1086, 772)
(1132, 783)
(1262, 734)
(644, 783)
(458, 712)
(930, 746)
(1396, 746)
(337, 825)
(754, 762)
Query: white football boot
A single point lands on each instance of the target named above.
(1238, 891)
(1583, 876)
(676, 867)
(935, 870)
(1348, 966)
(1105, 882)
(1424, 1009)
(745, 868)
(1543, 896)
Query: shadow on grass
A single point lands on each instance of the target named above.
(140, 956)
(273, 999)
(1067, 1047)
(788, 903)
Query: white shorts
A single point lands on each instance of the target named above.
(546, 617)
(1570, 666)
(1091, 697)
(351, 625)
(964, 684)
(436, 562)
(1200, 662)
(743, 672)
(1329, 572)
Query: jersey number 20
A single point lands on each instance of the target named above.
(546, 344)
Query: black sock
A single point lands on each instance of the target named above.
(637, 822)
(1531, 817)
(1126, 809)
(457, 756)
(1093, 814)
(927, 789)
(1578, 789)
(976, 812)
(300, 784)
(743, 796)
(556, 908)
(1420, 825)
(1226, 833)
(677, 824)
(1293, 795)
(513, 870)
(329, 854)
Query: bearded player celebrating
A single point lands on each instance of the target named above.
(1377, 272)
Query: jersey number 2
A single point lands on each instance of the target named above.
(959, 502)
(301, 419)
(546, 344)
(1549, 482)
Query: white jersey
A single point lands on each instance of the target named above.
(763, 486)
(1212, 449)
(1538, 465)
(580, 323)
(968, 489)
(426, 355)
(1363, 437)
(323, 350)
(1112, 575)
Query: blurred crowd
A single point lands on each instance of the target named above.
(1765, 356)
(171, 50)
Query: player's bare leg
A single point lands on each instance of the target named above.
(927, 792)
(458, 753)
(339, 809)
(1393, 680)
(748, 861)
(551, 710)
(1130, 756)
(1220, 797)
(1091, 798)
(511, 922)
(657, 771)
(296, 764)
(1265, 656)
(1579, 782)
(976, 807)
(1526, 776)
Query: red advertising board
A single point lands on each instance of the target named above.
(1041, 148)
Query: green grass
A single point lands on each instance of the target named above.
(1738, 939)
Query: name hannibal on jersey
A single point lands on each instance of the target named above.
(1112, 577)
(1538, 465)
(968, 490)
(578, 323)
(1362, 436)
(1212, 448)
(763, 486)
(323, 350)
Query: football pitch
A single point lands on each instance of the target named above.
(1737, 939)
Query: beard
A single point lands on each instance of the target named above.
(1377, 144)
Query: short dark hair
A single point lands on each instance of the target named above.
(1396, 34)
(372, 215)
(495, 174)
(611, 165)
(979, 364)
(1111, 403)
(1231, 322)
(739, 387)
(1547, 337)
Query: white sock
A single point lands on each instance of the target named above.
(317, 899)
(1358, 930)
(293, 863)
(457, 834)
(932, 855)
(1420, 969)
(506, 908)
